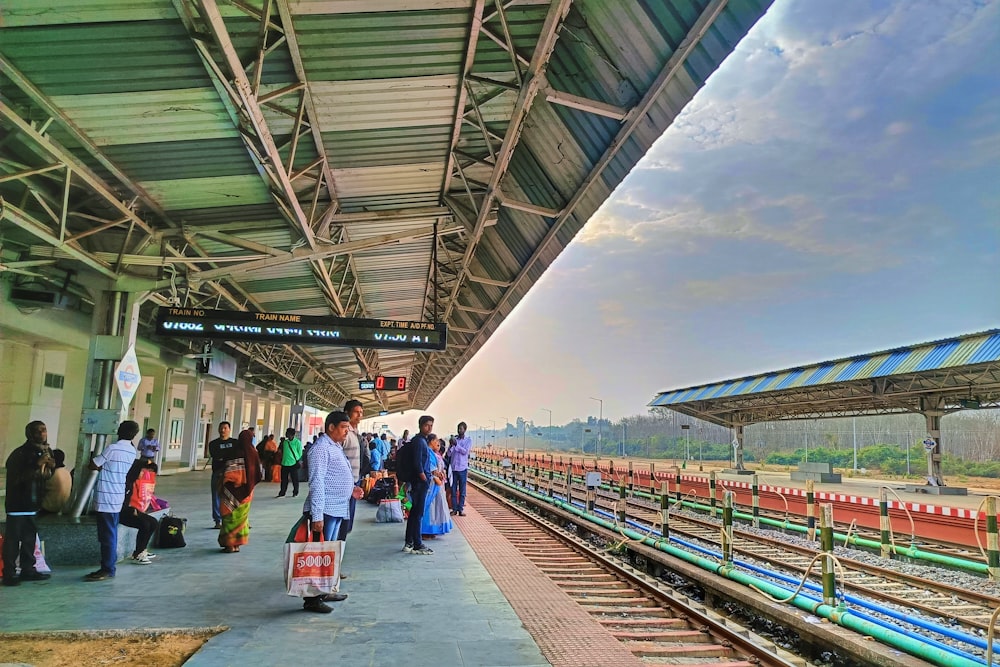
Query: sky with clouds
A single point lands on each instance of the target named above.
(834, 189)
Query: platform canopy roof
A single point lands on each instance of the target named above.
(949, 374)
(405, 159)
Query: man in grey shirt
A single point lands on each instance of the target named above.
(352, 450)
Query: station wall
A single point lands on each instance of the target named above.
(43, 361)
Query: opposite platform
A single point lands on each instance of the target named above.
(443, 609)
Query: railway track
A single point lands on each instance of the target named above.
(925, 544)
(654, 624)
(958, 606)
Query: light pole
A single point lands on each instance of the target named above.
(623, 438)
(524, 436)
(701, 448)
(600, 418)
(493, 436)
(549, 434)
(506, 433)
(687, 441)
(854, 425)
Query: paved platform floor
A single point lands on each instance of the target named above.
(438, 610)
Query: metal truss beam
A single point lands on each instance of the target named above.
(530, 82)
(392, 215)
(584, 104)
(243, 94)
(635, 116)
(46, 105)
(15, 215)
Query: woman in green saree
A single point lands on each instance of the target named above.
(242, 473)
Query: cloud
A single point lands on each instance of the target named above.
(833, 178)
(743, 286)
(816, 137)
(614, 315)
(897, 128)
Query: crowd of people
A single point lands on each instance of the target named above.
(432, 473)
(38, 483)
(340, 458)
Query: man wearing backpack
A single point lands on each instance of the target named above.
(413, 466)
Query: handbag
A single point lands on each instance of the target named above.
(312, 568)
(389, 511)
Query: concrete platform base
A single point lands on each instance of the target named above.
(69, 541)
(821, 477)
(937, 490)
(736, 471)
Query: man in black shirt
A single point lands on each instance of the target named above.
(220, 450)
(419, 452)
(28, 467)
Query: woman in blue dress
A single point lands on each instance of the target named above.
(437, 518)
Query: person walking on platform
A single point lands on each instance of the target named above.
(460, 469)
(331, 487)
(420, 463)
(217, 451)
(139, 486)
(28, 467)
(291, 455)
(149, 445)
(113, 465)
(266, 451)
(241, 473)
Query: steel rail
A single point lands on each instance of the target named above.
(725, 632)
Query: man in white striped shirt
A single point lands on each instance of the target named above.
(113, 463)
(331, 487)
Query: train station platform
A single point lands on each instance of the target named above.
(443, 609)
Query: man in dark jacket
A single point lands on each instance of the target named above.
(28, 467)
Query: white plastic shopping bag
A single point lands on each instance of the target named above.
(312, 568)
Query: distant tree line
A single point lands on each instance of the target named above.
(970, 440)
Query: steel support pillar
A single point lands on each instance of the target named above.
(738, 446)
(113, 328)
(931, 409)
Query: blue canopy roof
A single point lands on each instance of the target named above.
(876, 371)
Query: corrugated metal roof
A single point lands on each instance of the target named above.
(978, 348)
(384, 98)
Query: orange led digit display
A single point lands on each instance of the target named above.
(390, 383)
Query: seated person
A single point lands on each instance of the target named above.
(140, 482)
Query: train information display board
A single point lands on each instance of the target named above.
(384, 383)
(278, 328)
